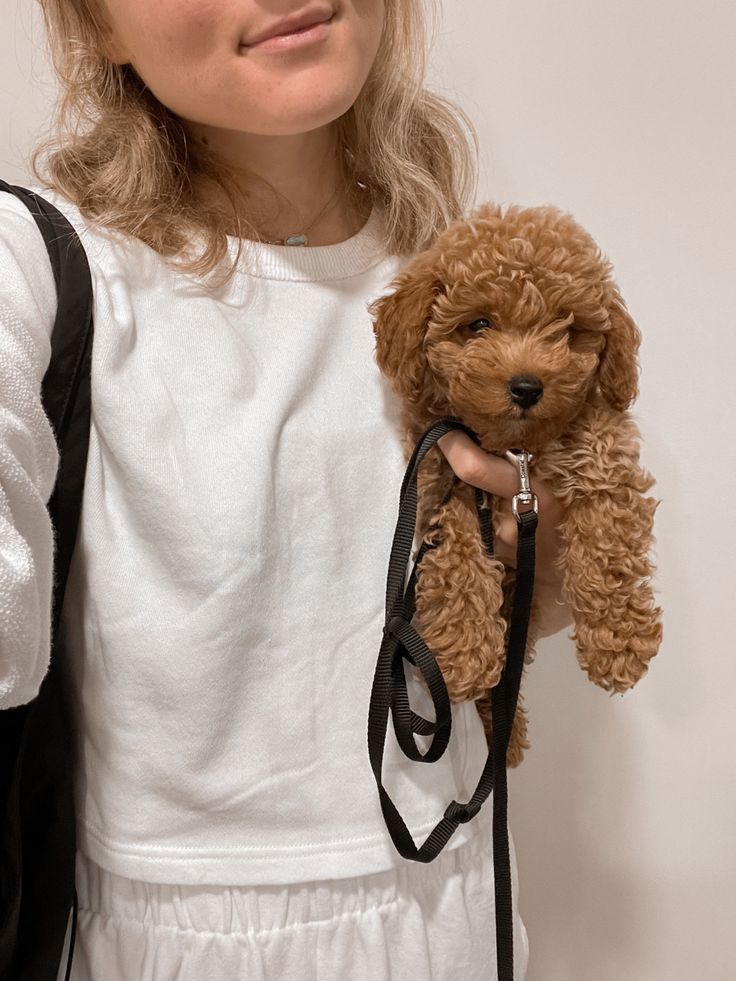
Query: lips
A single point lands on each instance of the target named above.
(297, 22)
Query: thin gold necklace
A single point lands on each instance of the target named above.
(301, 238)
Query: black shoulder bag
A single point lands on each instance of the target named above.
(37, 755)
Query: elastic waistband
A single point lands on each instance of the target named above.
(253, 910)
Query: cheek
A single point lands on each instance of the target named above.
(168, 41)
(357, 41)
(368, 16)
(588, 362)
(585, 342)
(586, 354)
(447, 359)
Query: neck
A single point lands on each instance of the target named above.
(287, 181)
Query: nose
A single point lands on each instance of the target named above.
(525, 389)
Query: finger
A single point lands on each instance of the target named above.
(493, 473)
(478, 468)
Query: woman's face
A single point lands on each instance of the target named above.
(195, 58)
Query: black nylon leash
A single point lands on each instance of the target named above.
(401, 641)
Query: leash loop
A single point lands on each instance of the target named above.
(462, 813)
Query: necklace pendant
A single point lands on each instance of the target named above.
(296, 240)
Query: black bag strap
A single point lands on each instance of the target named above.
(37, 761)
(401, 641)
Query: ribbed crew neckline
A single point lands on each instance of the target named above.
(354, 256)
(310, 263)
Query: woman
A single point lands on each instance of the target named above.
(246, 179)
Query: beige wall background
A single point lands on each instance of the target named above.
(622, 113)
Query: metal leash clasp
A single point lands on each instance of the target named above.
(521, 459)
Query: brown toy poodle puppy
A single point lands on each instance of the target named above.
(512, 323)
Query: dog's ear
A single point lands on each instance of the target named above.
(399, 325)
(618, 370)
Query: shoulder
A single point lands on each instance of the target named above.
(23, 252)
(28, 297)
(95, 238)
(118, 262)
(27, 286)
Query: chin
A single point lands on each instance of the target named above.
(305, 110)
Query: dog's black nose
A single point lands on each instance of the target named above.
(526, 389)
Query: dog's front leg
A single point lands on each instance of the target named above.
(607, 536)
(459, 598)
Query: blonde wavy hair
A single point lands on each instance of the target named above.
(130, 164)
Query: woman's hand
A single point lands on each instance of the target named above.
(497, 476)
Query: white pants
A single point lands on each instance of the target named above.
(418, 922)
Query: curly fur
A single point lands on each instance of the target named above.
(525, 292)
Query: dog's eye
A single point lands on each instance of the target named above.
(482, 323)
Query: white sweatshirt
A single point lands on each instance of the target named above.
(225, 604)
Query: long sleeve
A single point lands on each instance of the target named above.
(29, 455)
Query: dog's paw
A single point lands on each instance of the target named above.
(615, 655)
